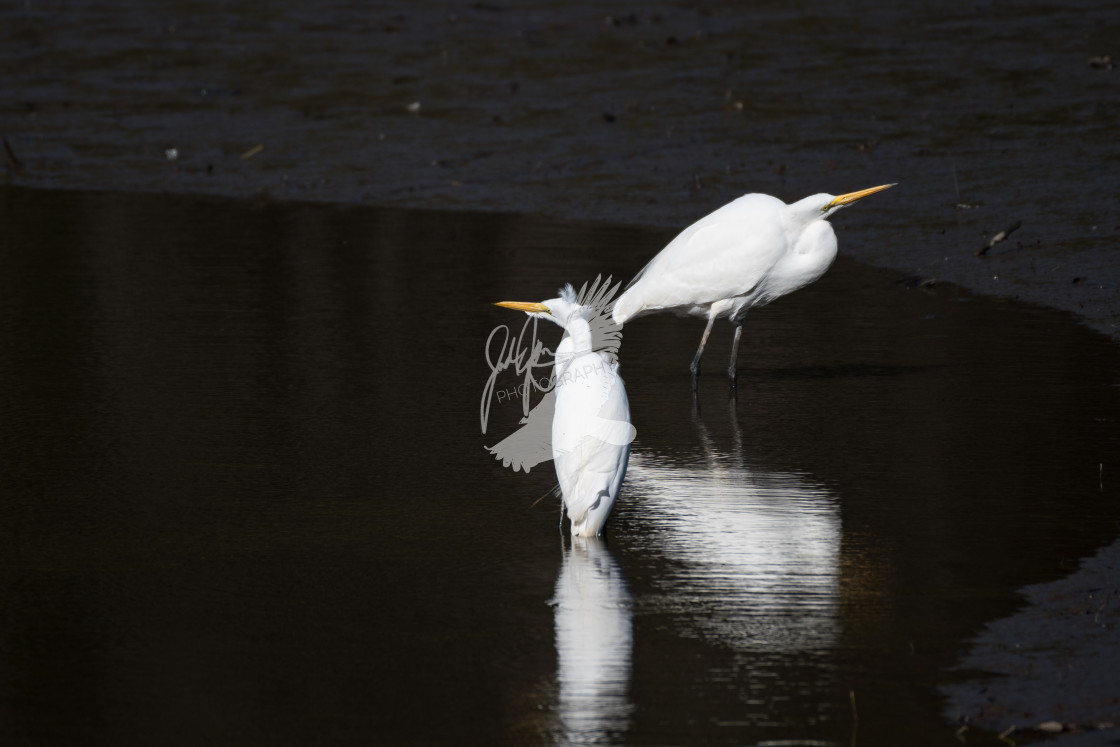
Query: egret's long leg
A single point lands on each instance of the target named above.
(561, 525)
(695, 367)
(732, 372)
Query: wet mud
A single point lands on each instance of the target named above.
(1064, 644)
(988, 115)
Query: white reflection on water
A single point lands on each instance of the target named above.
(594, 644)
(755, 556)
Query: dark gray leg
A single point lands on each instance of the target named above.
(561, 526)
(695, 367)
(732, 373)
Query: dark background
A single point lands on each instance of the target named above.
(986, 113)
(243, 498)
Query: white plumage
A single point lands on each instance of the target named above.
(745, 254)
(591, 430)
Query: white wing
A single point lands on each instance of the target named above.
(723, 255)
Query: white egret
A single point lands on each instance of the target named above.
(743, 255)
(591, 430)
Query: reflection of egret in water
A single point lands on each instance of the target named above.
(757, 554)
(594, 644)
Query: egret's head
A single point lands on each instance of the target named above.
(557, 310)
(829, 204)
(589, 310)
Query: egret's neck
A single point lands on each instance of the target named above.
(578, 340)
(804, 213)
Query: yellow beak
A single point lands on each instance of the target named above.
(851, 197)
(526, 306)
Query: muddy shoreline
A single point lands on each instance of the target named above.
(987, 119)
(1053, 665)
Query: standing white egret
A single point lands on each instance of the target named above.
(745, 254)
(591, 430)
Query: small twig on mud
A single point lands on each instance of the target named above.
(8, 157)
(1104, 604)
(998, 238)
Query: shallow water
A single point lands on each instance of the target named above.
(245, 495)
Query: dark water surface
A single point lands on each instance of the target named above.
(245, 497)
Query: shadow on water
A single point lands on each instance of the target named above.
(245, 497)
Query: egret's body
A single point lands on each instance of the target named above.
(591, 430)
(743, 255)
